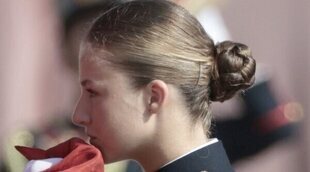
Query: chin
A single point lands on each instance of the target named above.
(109, 158)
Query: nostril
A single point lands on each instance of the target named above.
(78, 123)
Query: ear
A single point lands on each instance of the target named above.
(157, 95)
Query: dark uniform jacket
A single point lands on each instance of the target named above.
(211, 158)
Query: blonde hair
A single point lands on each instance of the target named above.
(157, 39)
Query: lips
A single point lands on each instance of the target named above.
(91, 137)
(89, 134)
(92, 141)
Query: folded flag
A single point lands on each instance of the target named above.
(73, 155)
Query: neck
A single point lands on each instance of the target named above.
(168, 146)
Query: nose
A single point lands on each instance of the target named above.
(80, 116)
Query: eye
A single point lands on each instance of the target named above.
(91, 92)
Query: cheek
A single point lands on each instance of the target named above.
(113, 131)
(100, 114)
(118, 122)
(107, 119)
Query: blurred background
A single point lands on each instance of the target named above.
(264, 129)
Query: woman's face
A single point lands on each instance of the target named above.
(109, 109)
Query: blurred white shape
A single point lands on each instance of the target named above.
(213, 23)
(41, 165)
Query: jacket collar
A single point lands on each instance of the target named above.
(211, 158)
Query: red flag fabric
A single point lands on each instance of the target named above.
(78, 156)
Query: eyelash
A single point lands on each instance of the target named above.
(91, 92)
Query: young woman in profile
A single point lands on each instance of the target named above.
(149, 73)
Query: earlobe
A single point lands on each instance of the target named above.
(158, 95)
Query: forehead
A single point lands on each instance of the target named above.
(92, 64)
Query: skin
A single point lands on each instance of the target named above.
(150, 125)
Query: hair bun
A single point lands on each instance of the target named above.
(233, 70)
